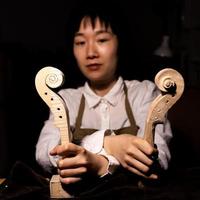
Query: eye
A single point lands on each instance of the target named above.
(79, 43)
(102, 40)
(103, 37)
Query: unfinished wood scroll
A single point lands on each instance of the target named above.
(168, 80)
(171, 84)
(50, 77)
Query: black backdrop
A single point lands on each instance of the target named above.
(32, 36)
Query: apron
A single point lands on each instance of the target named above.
(90, 185)
(80, 133)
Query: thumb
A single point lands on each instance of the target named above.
(53, 152)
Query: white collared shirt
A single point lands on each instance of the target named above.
(107, 112)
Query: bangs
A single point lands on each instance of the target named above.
(90, 13)
(92, 20)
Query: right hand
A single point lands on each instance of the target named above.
(76, 161)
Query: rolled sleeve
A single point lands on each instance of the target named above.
(113, 163)
(94, 142)
(47, 141)
(163, 135)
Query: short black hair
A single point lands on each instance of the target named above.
(109, 12)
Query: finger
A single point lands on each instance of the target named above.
(68, 150)
(153, 176)
(53, 152)
(139, 168)
(57, 150)
(137, 172)
(72, 172)
(132, 162)
(70, 180)
(72, 162)
(144, 146)
(139, 155)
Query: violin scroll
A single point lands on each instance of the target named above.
(55, 78)
(169, 78)
(171, 84)
(50, 77)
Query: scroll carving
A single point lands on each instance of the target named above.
(171, 84)
(169, 81)
(50, 77)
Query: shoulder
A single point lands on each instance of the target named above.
(71, 95)
(141, 90)
(142, 86)
(71, 91)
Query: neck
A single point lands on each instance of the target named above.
(101, 89)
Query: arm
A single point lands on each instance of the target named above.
(50, 135)
(48, 139)
(132, 151)
(75, 161)
(49, 153)
(90, 143)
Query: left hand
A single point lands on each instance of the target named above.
(133, 153)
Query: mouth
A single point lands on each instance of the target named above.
(93, 66)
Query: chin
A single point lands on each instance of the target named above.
(95, 78)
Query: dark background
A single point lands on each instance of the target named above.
(32, 35)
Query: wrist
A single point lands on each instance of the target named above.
(103, 164)
(107, 144)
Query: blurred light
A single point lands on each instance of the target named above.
(164, 50)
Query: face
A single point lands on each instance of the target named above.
(95, 50)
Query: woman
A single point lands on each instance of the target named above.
(107, 115)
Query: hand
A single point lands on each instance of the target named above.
(132, 152)
(76, 161)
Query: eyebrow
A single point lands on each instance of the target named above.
(97, 33)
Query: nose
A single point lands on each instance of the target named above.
(92, 51)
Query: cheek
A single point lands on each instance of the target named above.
(75, 53)
(113, 60)
(112, 55)
(108, 52)
(78, 55)
(113, 50)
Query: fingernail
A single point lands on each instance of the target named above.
(60, 163)
(154, 176)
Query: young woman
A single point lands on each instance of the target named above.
(107, 115)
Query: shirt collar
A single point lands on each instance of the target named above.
(112, 96)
